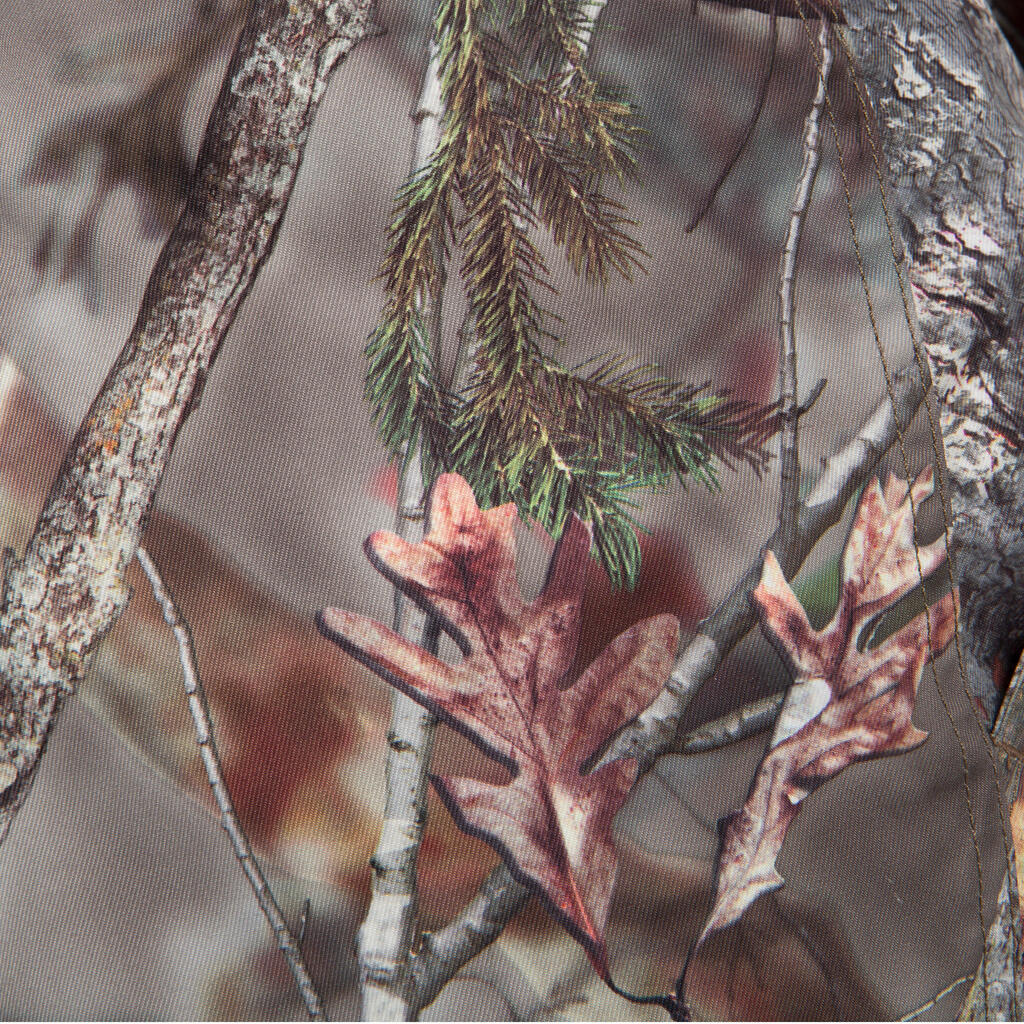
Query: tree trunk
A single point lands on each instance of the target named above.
(946, 91)
(946, 97)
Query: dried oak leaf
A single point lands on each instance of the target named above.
(552, 825)
(847, 702)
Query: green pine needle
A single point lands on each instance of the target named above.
(528, 139)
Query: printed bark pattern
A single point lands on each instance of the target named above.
(848, 701)
(552, 825)
(1017, 833)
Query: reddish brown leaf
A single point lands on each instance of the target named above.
(551, 824)
(667, 583)
(846, 704)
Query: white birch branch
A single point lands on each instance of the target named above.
(737, 725)
(390, 928)
(396, 987)
(208, 753)
(68, 590)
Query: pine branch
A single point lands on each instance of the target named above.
(500, 897)
(522, 151)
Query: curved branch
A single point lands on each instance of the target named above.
(446, 951)
(60, 600)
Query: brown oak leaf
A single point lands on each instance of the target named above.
(552, 825)
(848, 702)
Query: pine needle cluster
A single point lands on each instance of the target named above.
(529, 138)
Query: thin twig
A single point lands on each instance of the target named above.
(809, 402)
(389, 930)
(654, 731)
(69, 589)
(748, 132)
(924, 1008)
(789, 449)
(210, 756)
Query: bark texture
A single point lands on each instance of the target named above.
(68, 590)
(946, 92)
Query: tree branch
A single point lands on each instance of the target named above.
(210, 757)
(737, 725)
(444, 953)
(389, 930)
(789, 443)
(500, 898)
(996, 992)
(654, 731)
(402, 987)
(60, 600)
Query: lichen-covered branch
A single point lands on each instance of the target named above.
(242, 848)
(946, 92)
(500, 897)
(654, 731)
(62, 597)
